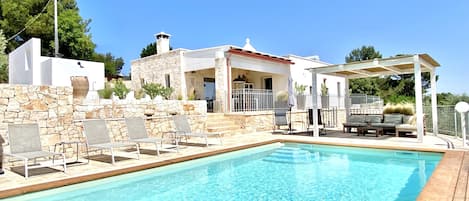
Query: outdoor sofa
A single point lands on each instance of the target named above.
(386, 122)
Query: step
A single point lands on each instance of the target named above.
(291, 155)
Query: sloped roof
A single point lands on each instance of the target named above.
(259, 55)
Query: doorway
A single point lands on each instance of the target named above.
(268, 83)
(209, 93)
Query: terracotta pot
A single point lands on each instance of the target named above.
(80, 86)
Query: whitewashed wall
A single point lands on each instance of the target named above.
(302, 76)
(27, 66)
(63, 69)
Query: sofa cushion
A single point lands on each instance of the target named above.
(356, 119)
(373, 118)
(393, 118)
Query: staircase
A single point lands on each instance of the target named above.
(219, 123)
(292, 155)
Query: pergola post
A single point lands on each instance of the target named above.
(314, 94)
(347, 99)
(434, 101)
(418, 97)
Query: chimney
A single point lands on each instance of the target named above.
(162, 42)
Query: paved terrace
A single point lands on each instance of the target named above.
(449, 181)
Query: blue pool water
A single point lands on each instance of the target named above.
(271, 172)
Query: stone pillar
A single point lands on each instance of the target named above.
(221, 83)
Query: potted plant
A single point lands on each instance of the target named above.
(300, 97)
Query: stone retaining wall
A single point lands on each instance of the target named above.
(60, 116)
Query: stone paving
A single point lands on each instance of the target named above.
(101, 163)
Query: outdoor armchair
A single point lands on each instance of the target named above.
(280, 117)
(25, 144)
(97, 136)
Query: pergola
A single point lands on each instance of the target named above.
(415, 64)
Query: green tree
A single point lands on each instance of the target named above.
(112, 65)
(36, 16)
(363, 85)
(149, 50)
(3, 59)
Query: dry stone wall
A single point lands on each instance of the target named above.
(152, 69)
(60, 116)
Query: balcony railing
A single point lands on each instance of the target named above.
(244, 100)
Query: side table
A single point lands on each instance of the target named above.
(77, 144)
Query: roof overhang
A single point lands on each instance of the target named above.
(258, 55)
(377, 67)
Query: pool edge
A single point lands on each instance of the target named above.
(447, 172)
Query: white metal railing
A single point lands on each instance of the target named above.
(355, 100)
(243, 100)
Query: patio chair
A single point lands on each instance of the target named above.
(280, 117)
(138, 134)
(97, 136)
(183, 130)
(25, 144)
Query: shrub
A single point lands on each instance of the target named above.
(155, 89)
(405, 109)
(282, 96)
(166, 92)
(152, 89)
(120, 90)
(139, 94)
(105, 93)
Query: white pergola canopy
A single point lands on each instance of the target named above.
(408, 64)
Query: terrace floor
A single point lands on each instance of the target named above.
(450, 178)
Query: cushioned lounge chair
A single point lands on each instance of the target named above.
(25, 144)
(183, 130)
(138, 134)
(97, 136)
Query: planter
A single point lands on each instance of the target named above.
(301, 101)
(80, 86)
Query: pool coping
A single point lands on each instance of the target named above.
(448, 181)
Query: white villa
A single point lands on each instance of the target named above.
(230, 78)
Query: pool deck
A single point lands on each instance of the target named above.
(448, 182)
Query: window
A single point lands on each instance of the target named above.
(167, 80)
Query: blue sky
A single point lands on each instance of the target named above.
(328, 28)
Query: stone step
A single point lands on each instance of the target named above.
(222, 128)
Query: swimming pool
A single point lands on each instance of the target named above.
(272, 172)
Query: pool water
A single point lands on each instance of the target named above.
(271, 172)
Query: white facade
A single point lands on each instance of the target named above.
(335, 84)
(27, 66)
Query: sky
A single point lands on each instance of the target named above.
(330, 29)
